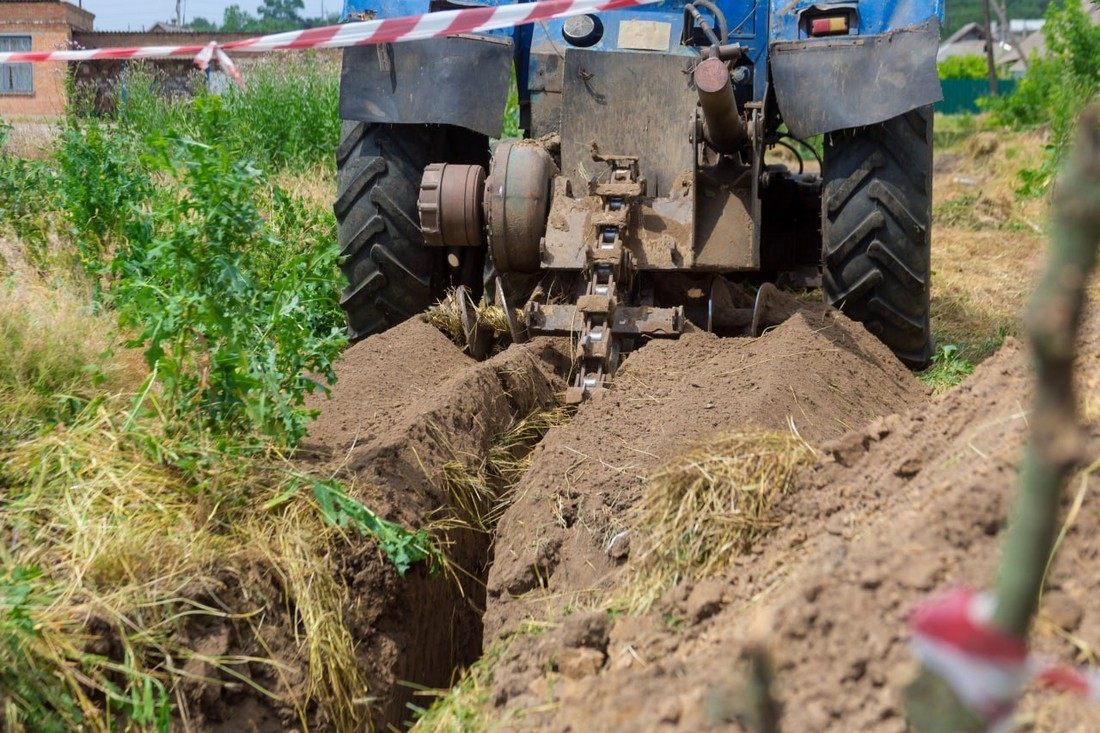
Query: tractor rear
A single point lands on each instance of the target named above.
(647, 177)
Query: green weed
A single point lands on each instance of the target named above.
(132, 480)
(948, 369)
(228, 338)
(1056, 88)
(26, 199)
(287, 115)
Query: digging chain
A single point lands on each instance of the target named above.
(608, 270)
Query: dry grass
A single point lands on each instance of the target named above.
(133, 546)
(32, 138)
(710, 505)
(987, 242)
(315, 187)
(480, 488)
(53, 344)
(295, 547)
(447, 317)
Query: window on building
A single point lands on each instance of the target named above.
(16, 78)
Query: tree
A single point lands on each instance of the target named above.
(330, 19)
(202, 25)
(282, 11)
(236, 20)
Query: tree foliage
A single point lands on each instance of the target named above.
(963, 67)
(1058, 84)
(272, 16)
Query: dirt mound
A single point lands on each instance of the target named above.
(819, 370)
(891, 512)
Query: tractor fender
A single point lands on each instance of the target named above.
(458, 80)
(827, 84)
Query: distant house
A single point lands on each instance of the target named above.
(38, 90)
(36, 25)
(168, 27)
(966, 41)
(970, 41)
(1035, 43)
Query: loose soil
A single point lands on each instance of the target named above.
(409, 402)
(908, 494)
(818, 371)
(890, 513)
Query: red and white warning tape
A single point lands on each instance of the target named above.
(387, 30)
(953, 636)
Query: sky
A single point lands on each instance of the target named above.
(121, 15)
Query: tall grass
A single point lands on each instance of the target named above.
(165, 307)
(287, 114)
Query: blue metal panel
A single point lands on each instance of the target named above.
(875, 16)
(747, 21)
(399, 8)
(749, 24)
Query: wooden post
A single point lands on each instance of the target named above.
(989, 49)
(1054, 441)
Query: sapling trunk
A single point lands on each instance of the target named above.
(1054, 441)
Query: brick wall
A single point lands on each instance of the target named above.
(50, 13)
(50, 26)
(125, 39)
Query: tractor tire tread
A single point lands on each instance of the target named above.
(876, 225)
(391, 274)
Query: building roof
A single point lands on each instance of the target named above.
(961, 48)
(969, 32)
(168, 27)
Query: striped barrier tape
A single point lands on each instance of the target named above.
(387, 30)
(953, 636)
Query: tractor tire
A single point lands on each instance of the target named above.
(391, 274)
(876, 230)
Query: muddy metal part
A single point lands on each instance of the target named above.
(706, 218)
(450, 204)
(517, 200)
(609, 270)
(725, 129)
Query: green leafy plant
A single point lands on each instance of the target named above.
(226, 339)
(29, 691)
(948, 369)
(400, 546)
(1057, 86)
(100, 181)
(963, 67)
(26, 198)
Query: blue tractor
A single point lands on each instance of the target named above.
(642, 183)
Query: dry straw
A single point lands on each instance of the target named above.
(446, 315)
(710, 505)
(138, 546)
(480, 490)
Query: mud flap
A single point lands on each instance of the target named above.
(830, 84)
(459, 80)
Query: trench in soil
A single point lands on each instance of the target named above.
(410, 402)
(411, 407)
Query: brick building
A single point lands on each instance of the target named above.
(36, 25)
(37, 90)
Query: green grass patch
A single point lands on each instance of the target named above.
(948, 369)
